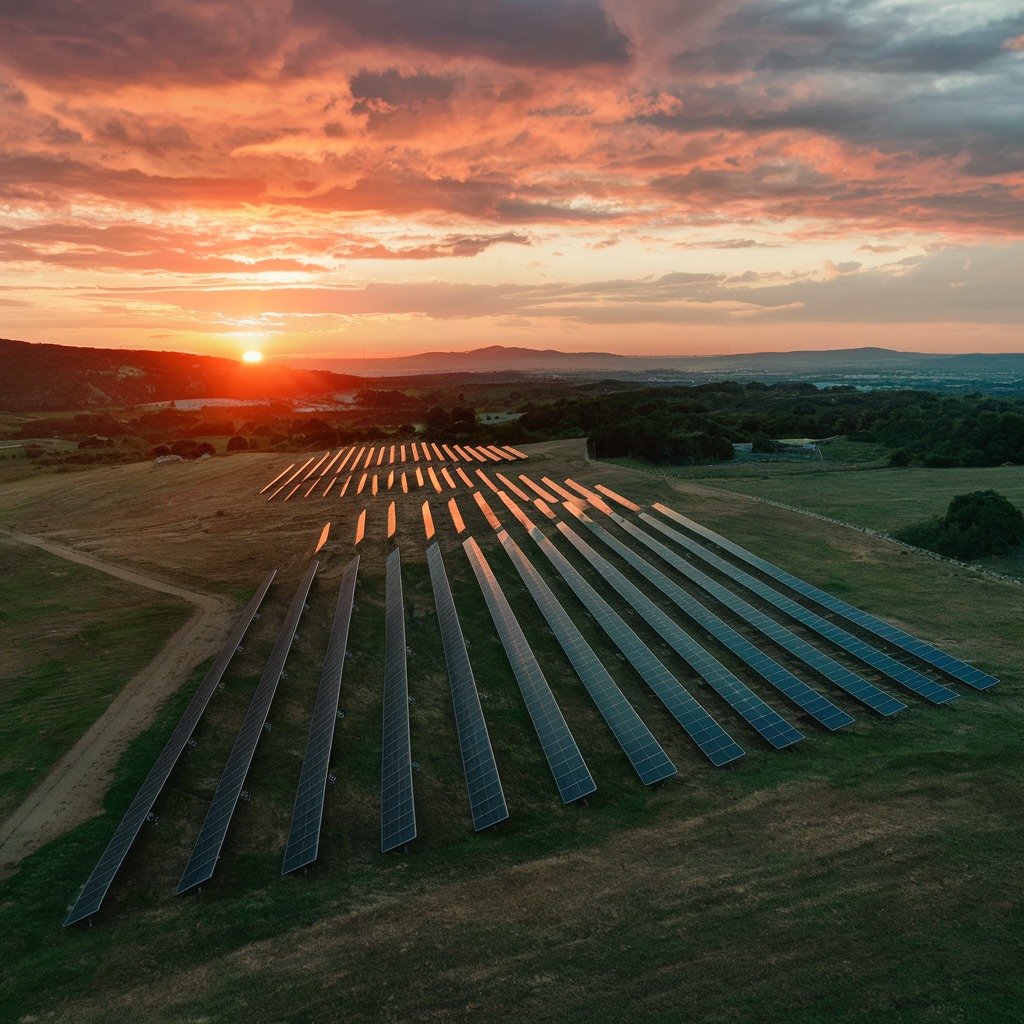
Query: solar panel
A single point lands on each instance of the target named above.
(898, 672)
(953, 666)
(795, 689)
(853, 684)
(362, 483)
(571, 774)
(486, 799)
(360, 526)
(397, 812)
(501, 455)
(391, 479)
(456, 516)
(433, 479)
(772, 726)
(926, 688)
(330, 484)
(405, 484)
(317, 466)
(419, 476)
(544, 508)
(428, 520)
(380, 457)
(440, 457)
(465, 455)
(451, 455)
(276, 478)
(403, 453)
(205, 853)
(293, 490)
(391, 459)
(425, 450)
(341, 493)
(566, 496)
(290, 479)
(96, 886)
(448, 478)
(323, 538)
(341, 465)
(465, 479)
(391, 520)
(487, 480)
(486, 509)
(323, 472)
(709, 736)
(644, 752)
(415, 453)
(373, 485)
(624, 502)
(515, 452)
(484, 455)
(535, 487)
(517, 491)
(369, 457)
(595, 499)
(355, 462)
(304, 833)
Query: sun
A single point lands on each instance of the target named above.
(253, 356)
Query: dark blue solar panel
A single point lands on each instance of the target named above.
(397, 812)
(864, 691)
(712, 739)
(91, 896)
(643, 750)
(571, 774)
(956, 668)
(798, 691)
(304, 833)
(907, 677)
(486, 799)
(204, 856)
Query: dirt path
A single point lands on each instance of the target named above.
(73, 791)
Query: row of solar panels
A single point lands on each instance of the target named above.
(467, 454)
(571, 775)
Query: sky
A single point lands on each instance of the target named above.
(320, 178)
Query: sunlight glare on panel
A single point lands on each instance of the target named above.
(391, 479)
(517, 491)
(361, 526)
(276, 478)
(369, 457)
(456, 515)
(391, 520)
(428, 520)
(323, 538)
(487, 480)
(341, 493)
(362, 483)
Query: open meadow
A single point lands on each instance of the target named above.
(869, 874)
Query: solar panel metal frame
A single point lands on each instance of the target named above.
(307, 813)
(804, 696)
(572, 777)
(934, 692)
(714, 742)
(919, 648)
(645, 753)
(483, 784)
(95, 889)
(869, 694)
(203, 859)
(397, 809)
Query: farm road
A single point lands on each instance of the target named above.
(73, 791)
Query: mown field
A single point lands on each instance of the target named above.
(866, 875)
(72, 637)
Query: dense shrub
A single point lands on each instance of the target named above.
(238, 444)
(975, 525)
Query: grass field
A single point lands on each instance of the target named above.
(866, 875)
(72, 637)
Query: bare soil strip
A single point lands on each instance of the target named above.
(73, 791)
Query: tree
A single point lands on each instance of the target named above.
(975, 525)
(238, 444)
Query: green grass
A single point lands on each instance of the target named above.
(72, 638)
(868, 875)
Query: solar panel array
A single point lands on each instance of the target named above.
(712, 739)
(486, 799)
(96, 886)
(953, 666)
(304, 832)
(571, 774)
(644, 752)
(204, 855)
(770, 585)
(397, 811)
(932, 691)
(798, 691)
(838, 674)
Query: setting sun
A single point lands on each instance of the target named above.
(252, 357)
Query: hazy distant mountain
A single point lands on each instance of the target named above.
(51, 377)
(500, 358)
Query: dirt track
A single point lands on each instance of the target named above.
(73, 791)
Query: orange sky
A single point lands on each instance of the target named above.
(322, 177)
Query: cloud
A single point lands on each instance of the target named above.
(516, 33)
(453, 245)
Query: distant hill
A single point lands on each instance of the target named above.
(52, 377)
(500, 358)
